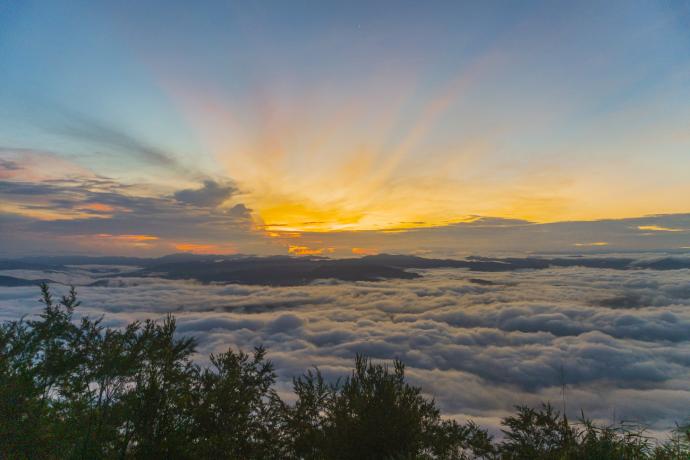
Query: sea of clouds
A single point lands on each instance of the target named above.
(618, 342)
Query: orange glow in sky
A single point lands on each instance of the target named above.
(308, 251)
(197, 248)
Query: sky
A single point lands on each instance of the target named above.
(344, 128)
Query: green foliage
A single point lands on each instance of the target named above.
(372, 414)
(533, 433)
(236, 411)
(546, 434)
(75, 389)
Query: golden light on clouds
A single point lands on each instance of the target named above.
(296, 250)
(98, 207)
(386, 153)
(365, 251)
(282, 234)
(130, 238)
(198, 248)
(656, 228)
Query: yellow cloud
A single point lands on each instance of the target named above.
(657, 228)
(365, 251)
(283, 234)
(98, 207)
(197, 248)
(307, 251)
(133, 238)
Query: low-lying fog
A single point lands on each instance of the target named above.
(480, 343)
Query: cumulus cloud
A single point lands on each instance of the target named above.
(477, 348)
(240, 211)
(210, 194)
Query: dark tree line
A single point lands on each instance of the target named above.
(80, 390)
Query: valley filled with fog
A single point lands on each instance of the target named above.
(479, 342)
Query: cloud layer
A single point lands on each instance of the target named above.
(620, 341)
(94, 214)
(52, 204)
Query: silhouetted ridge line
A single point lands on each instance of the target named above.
(290, 271)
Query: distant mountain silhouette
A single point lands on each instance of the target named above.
(275, 271)
(11, 281)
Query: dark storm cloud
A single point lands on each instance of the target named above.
(211, 194)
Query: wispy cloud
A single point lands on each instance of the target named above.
(308, 251)
(104, 135)
(200, 248)
(365, 251)
(657, 228)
